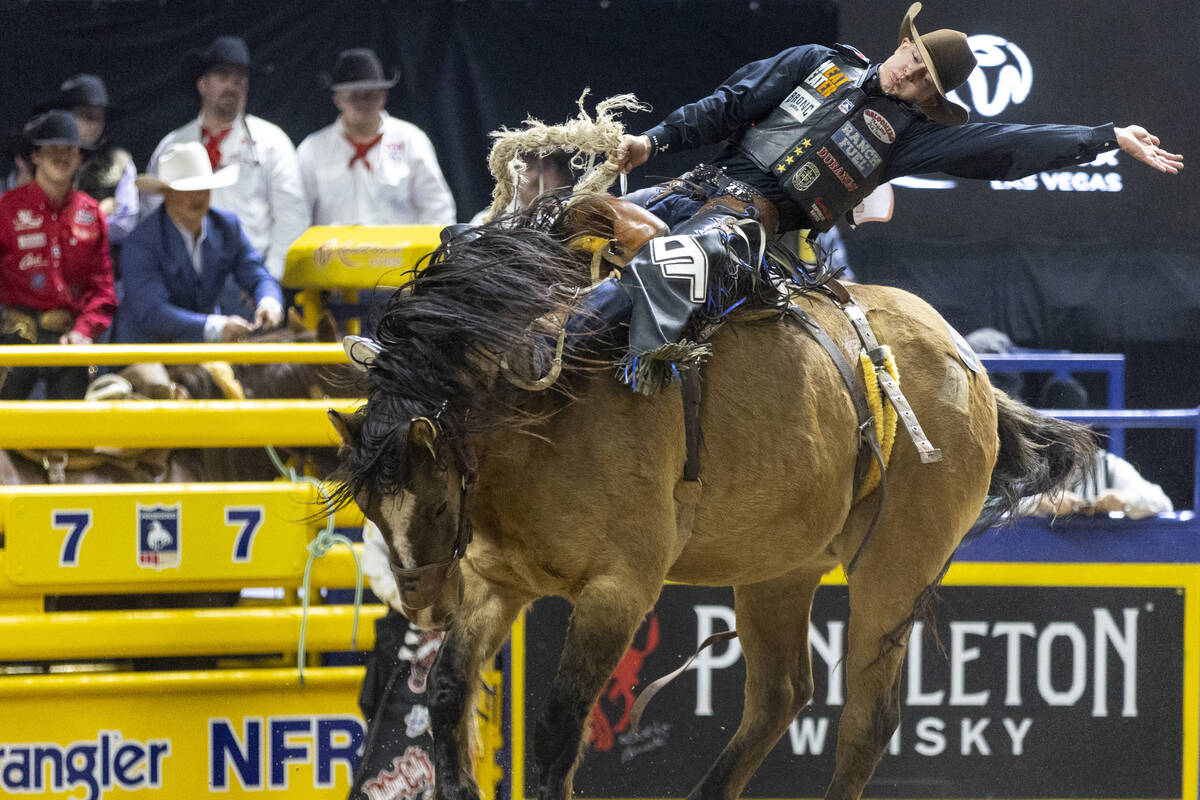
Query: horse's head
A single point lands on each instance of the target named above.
(404, 477)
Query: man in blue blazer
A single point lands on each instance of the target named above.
(177, 259)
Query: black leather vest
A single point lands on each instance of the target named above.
(828, 141)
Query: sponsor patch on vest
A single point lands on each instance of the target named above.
(827, 79)
(879, 127)
(818, 212)
(856, 147)
(805, 176)
(846, 105)
(799, 104)
(84, 217)
(839, 172)
(28, 241)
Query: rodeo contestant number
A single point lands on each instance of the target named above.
(76, 522)
(250, 518)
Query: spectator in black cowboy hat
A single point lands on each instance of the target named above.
(56, 283)
(369, 168)
(107, 172)
(268, 197)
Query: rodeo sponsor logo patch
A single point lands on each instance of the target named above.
(26, 221)
(28, 241)
(409, 778)
(84, 217)
(827, 79)
(799, 104)
(416, 722)
(879, 127)
(856, 147)
(806, 176)
(31, 261)
(818, 212)
(846, 105)
(158, 536)
(830, 161)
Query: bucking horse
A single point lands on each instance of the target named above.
(748, 473)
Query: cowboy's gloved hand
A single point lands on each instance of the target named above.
(235, 328)
(268, 315)
(1143, 145)
(74, 337)
(631, 153)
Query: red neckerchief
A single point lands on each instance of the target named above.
(361, 150)
(212, 143)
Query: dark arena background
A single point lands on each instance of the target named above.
(1069, 643)
(1102, 258)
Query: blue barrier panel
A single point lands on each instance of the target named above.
(1062, 365)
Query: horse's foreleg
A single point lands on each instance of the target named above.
(606, 617)
(772, 623)
(479, 628)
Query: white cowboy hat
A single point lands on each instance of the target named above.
(185, 167)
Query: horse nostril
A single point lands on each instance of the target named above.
(440, 509)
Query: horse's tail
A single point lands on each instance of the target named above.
(1038, 454)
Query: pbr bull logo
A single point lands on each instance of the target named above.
(158, 536)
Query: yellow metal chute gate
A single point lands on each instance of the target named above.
(80, 719)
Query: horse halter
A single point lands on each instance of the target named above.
(420, 586)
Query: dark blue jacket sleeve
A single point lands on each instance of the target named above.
(995, 151)
(144, 269)
(746, 96)
(248, 269)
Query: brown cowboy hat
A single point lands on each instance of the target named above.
(949, 60)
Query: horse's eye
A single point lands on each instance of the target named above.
(440, 509)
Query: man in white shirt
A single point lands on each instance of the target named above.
(369, 168)
(268, 197)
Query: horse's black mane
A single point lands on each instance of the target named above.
(443, 337)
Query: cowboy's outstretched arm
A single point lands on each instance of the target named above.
(1143, 145)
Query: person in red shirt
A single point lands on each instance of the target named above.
(56, 282)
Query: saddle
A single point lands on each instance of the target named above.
(610, 228)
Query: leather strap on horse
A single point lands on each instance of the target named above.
(854, 312)
(689, 384)
(647, 694)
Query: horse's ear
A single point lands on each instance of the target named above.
(421, 433)
(295, 323)
(361, 351)
(348, 426)
(327, 328)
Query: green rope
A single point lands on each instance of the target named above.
(317, 548)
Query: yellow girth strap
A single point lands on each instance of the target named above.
(884, 414)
